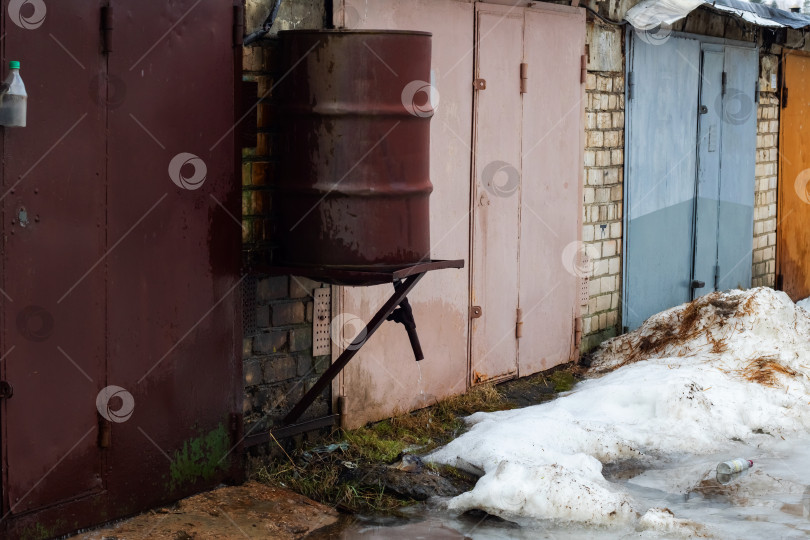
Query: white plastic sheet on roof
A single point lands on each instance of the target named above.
(651, 13)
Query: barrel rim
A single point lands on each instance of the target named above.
(353, 31)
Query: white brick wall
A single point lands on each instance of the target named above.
(602, 209)
(764, 242)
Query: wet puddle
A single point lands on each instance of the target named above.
(771, 500)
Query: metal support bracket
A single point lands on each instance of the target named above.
(400, 292)
(396, 309)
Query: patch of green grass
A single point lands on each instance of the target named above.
(321, 481)
(373, 446)
(323, 476)
(200, 457)
(319, 476)
(562, 380)
(448, 471)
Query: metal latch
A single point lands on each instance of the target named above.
(480, 84)
(519, 324)
(697, 284)
(475, 312)
(6, 390)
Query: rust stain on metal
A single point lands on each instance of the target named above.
(478, 378)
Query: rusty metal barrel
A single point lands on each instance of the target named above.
(354, 182)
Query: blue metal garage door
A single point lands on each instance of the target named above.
(691, 138)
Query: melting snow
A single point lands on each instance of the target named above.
(727, 373)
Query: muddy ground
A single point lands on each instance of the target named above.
(252, 510)
(269, 510)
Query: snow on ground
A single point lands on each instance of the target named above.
(725, 372)
(804, 304)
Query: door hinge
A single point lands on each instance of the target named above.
(583, 69)
(238, 25)
(104, 432)
(342, 406)
(519, 324)
(725, 80)
(784, 97)
(107, 29)
(6, 390)
(524, 77)
(237, 428)
(629, 85)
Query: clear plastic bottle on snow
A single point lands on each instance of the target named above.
(734, 466)
(13, 99)
(729, 478)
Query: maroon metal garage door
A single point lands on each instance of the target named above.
(121, 244)
(53, 192)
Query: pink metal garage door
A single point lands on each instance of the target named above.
(528, 189)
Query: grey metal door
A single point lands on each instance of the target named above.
(659, 206)
(726, 154)
(737, 180)
(707, 211)
(690, 172)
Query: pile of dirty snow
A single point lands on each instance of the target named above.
(692, 380)
(804, 304)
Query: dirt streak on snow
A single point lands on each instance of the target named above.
(729, 366)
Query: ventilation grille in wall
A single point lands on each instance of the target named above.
(584, 294)
(249, 306)
(322, 322)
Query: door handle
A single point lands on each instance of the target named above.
(697, 284)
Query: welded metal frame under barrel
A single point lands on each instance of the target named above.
(396, 309)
